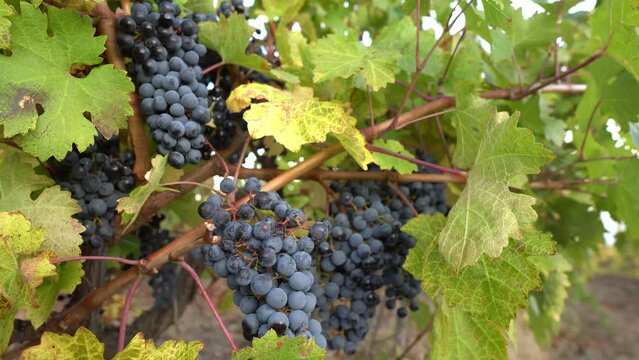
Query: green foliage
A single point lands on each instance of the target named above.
(223, 37)
(41, 104)
(488, 213)
(339, 56)
(131, 205)
(272, 347)
(482, 298)
(387, 162)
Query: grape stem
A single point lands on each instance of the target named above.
(105, 258)
(427, 164)
(125, 311)
(213, 67)
(403, 197)
(240, 161)
(218, 318)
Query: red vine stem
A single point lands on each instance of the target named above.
(125, 311)
(105, 258)
(427, 164)
(220, 322)
(213, 67)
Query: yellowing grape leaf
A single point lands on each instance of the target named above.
(387, 162)
(82, 345)
(138, 348)
(23, 268)
(229, 37)
(493, 288)
(5, 24)
(272, 347)
(51, 210)
(131, 205)
(457, 335)
(69, 275)
(41, 103)
(85, 345)
(340, 56)
(487, 213)
(295, 119)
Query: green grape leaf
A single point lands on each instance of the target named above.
(82, 345)
(498, 13)
(41, 103)
(547, 304)
(625, 196)
(138, 348)
(51, 210)
(339, 56)
(615, 88)
(487, 213)
(286, 10)
(493, 288)
(202, 6)
(23, 269)
(457, 335)
(295, 119)
(5, 24)
(614, 24)
(271, 347)
(387, 162)
(575, 228)
(227, 36)
(131, 205)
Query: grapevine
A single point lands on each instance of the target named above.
(329, 180)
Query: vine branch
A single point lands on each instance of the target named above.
(136, 125)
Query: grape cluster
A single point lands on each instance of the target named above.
(353, 261)
(165, 66)
(97, 178)
(152, 238)
(263, 261)
(227, 8)
(366, 252)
